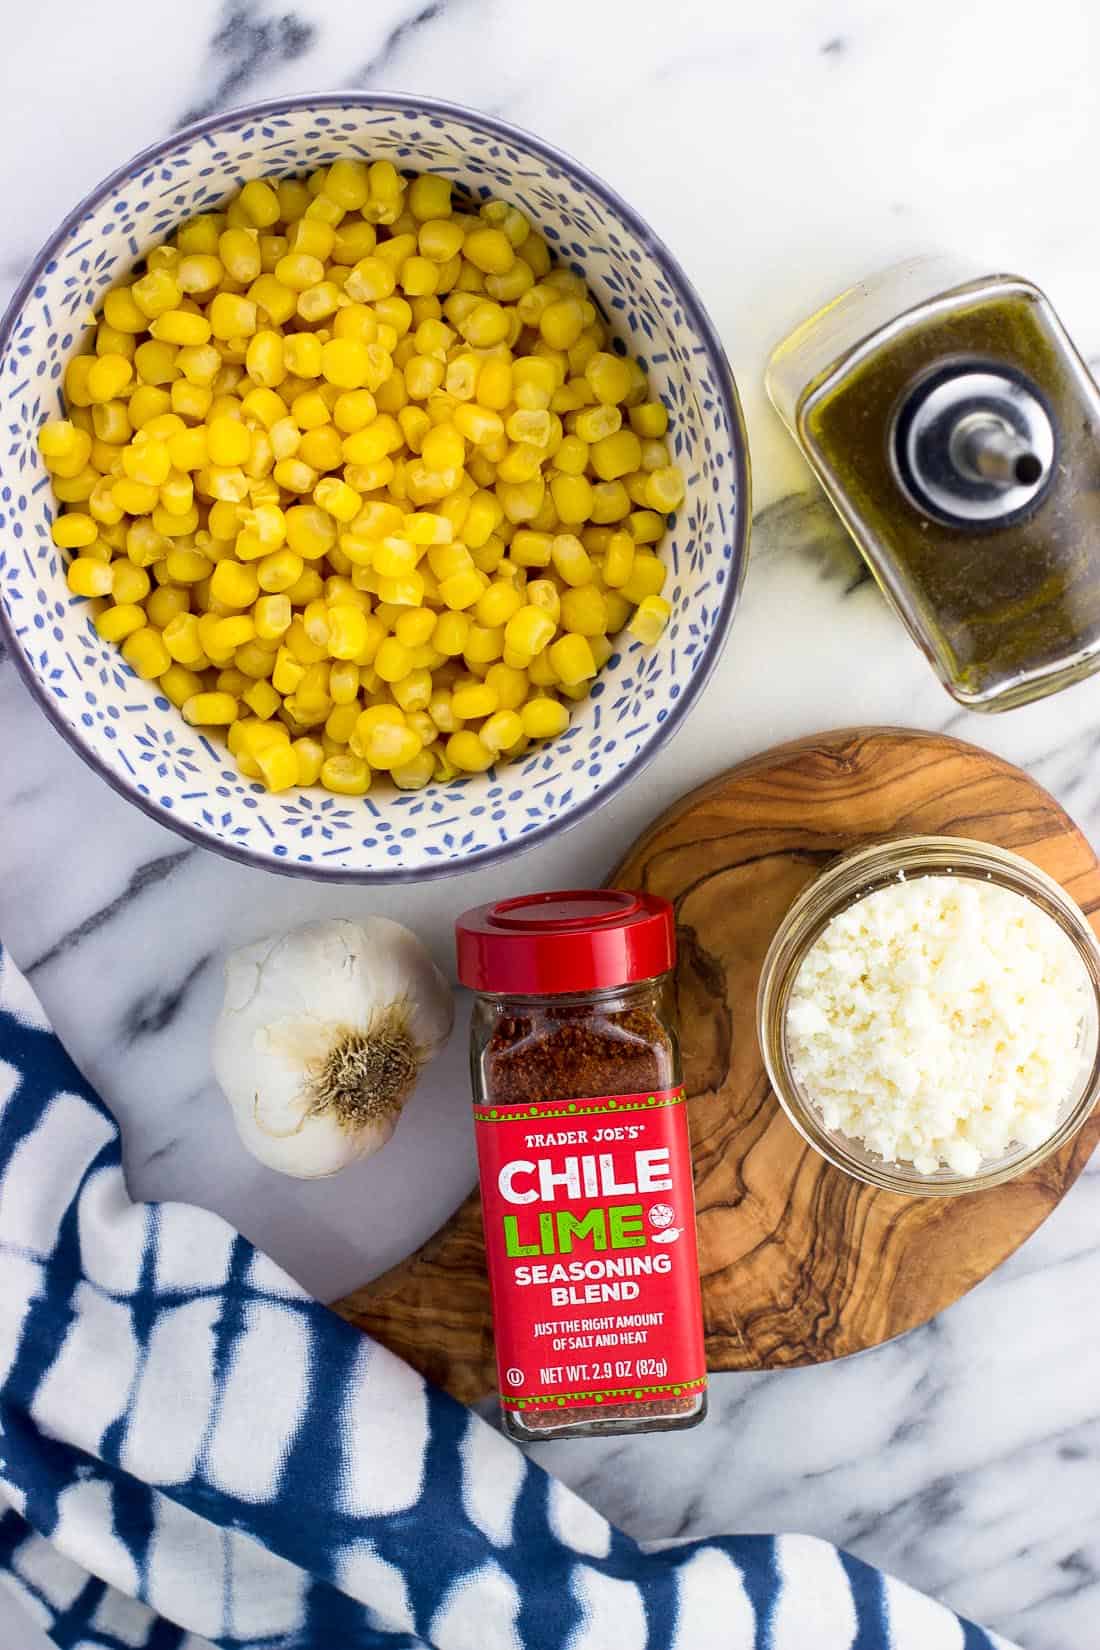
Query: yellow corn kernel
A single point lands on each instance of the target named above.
(108, 376)
(85, 576)
(296, 477)
(271, 616)
(529, 630)
(516, 659)
(146, 654)
(394, 557)
(484, 645)
(561, 322)
(609, 377)
(129, 583)
(279, 571)
(423, 376)
(471, 701)
(265, 360)
(496, 605)
(110, 422)
(309, 756)
(413, 691)
(439, 240)
(155, 363)
(571, 560)
(353, 410)
(467, 753)
(121, 312)
(583, 611)
(610, 502)
(183, 641)
(489, 250)
(501, 731)
(184, 564)
(274, 301)
(347, 632)
(460, 379)
(647, 577)
(228, 633)
(180, 326)
(260, 203)
(429, 197)
(509, 685)
(571, 657)
(370, 279)
(572, 498)
(571, 456)
(114, 624)
(340, 725)
(650, 618)
(179, 684)
(343, 682)
(392, 660)
(147, 461)
(102, 506)
(615, 455)
(164, 603)
(210, 710)
(414, 775)
(443, 448)
(543, 718)
(321, 448)
(413, 627)
(66, 449)
(256, 658)
(531, 549)
(664, 488)
(231, 681)
(287, 673)
(450, 633)
(190, 400)
(262, 699)
(74, 530)
(419, 276)
(618, 561)
(461, 590)
(278, 763)
(593, 424)
(234, 583)
(187, 450)
(521, 500)
(299, 271)
(78, 489)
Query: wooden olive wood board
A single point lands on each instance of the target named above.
(799, 1262)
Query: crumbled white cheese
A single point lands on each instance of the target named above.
(939, 1022)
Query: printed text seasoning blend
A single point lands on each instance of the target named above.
(585, 1164)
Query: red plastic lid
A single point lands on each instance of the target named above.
(573, 940)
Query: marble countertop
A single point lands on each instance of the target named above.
(782, 151)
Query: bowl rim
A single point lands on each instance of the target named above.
(702, 324)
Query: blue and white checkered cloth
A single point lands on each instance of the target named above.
(194, 1452)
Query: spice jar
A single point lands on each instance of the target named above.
(585, 1164)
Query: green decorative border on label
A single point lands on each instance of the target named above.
(627, 1394)
(579, 1108)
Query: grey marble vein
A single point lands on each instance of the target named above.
(143, 878)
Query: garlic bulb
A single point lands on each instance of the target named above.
(322, 1037)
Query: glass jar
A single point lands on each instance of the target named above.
(585, 1164)
(851, 879)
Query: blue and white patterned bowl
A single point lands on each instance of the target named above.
(132, 735)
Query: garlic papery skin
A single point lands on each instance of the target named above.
(322, 1037)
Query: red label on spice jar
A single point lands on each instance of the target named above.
(590, 1235)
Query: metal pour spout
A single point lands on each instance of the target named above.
(985, 448)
